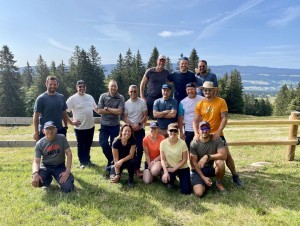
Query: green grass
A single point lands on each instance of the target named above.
(271, 194)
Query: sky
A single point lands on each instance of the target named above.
(224, 32)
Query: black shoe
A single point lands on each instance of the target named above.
(170, 186)
(236, 179)
(130, 183)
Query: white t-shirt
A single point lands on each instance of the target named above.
(135, 109)
(82, 109)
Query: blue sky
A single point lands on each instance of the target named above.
(254, 32)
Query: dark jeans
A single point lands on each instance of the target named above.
(84, 142)
(188, 138)
(47, 172)
(139, 136)
(59, 131)
(108, 132)
(150, 102)
(129, 165)
(184, 180)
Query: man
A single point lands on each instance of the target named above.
(50, 106)
(186, 112)
(165, 110)
(203, 75)
(207, 159)
(49, 161)
(154, 78)
(82, 105)
(181, 78)
(136, 114)
(214, 110)
(110, 106)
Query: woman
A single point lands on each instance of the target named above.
(123, 150)
(151, 145)
(174, 156)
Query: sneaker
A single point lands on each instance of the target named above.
(220, 188)
(138, 173)
(130, 182)
(82, 166)
(236, 179)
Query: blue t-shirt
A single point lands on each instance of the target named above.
(180, 80)
(161, 105)
(51, 108)
(200, 79)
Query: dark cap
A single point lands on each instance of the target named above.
(190, 85)
(172, 126)
(80, 82)
(166, 86)
(204, 123)
(184, 58)
(153, 125)
(49, 124)
(162, 57)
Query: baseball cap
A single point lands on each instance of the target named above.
(166, 86)
(190, 85)
(162, 57)
(80, 82)
(49, 124)
(204, 123)
(172, 126)
(153, 125)
(184, 58)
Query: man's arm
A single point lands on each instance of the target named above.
(181, 126)
(171, 114)
(160, 114)
(142, 86)
(36, 125)
(196, 121)
(224, 116)
(36, 178)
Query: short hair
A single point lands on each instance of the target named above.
(203, 61)
(132, 87)
(51, 77)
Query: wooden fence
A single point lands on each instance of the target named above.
(291, 141)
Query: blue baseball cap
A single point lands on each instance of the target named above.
(166, 86)
(49, 124)
(153, 125)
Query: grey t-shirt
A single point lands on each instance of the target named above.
(52, 152)
(211, 147)
(155, 82)
(116, 101)
(51, 108)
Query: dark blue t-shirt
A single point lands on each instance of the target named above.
(161, 105)
(180, 80)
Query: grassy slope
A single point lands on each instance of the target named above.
(271, 195)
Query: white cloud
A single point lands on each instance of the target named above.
(167, 34)
(287, 16)
(113, 32)
(59, 45)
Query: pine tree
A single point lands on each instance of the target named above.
(295, 102)
(117, 75)
(282, 101)
(169, 65)
(193, 60)
(153, 58)
(138, 69)
(27, 76)
(52, 70)
(11, 104)
(61, 74)
(42, 72)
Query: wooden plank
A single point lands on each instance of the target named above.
(264, 122)
(26, 120)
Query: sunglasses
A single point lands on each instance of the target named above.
(133, 91)
(173, 130)
(205, 129)
(207, 90)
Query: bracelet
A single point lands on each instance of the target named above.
(118, 174)
(34, 172)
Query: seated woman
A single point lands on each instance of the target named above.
(123, 150)
(174, 156)
(151, 145)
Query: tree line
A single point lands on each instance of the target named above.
(18, 91)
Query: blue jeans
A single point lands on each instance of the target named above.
(84, 142)
(139, 136)
(108, 132)
(184, 180)
(47, 172)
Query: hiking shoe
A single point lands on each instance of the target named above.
(82, 166)
(236, 179)
(130, 182)
(220, 188)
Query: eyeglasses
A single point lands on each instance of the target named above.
(205, 129)
(173, 130)
(207, 90)
(133, 91)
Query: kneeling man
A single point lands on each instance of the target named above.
(207, 159)
(49, 161)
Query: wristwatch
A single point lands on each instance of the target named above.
(105, 108)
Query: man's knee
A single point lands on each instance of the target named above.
(199, 190)
(68, 186)
(220, 164)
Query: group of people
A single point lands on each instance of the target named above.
(189, 129)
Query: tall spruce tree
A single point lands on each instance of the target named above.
(153, 58)
(11, 103)
(27, 76)
(138, 69)
(42, 72)
(295, 102)
(169, 65)
(117, 75)
(193, 60)
(61, 74)
(282, 101)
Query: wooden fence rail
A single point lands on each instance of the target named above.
(292, 140)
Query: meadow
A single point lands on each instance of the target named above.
(270, 197)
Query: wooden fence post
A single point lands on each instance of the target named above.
(290, 154)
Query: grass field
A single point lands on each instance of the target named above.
(270, 197)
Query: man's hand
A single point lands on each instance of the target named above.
(216, 136)
(207, 181)
(76, 123)
(202, 161)
(196, 137)
(36, 178)
(165, 178)
(64, 176)
(36, 136)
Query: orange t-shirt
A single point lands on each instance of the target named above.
(211, 111)
(153, 148)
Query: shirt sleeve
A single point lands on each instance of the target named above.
(180, 109)
(174, 104)
(122, 102)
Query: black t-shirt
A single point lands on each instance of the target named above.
(155, 82)
(123, 150)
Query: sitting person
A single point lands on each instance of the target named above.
(49, 161)
(207, 158)
(151, 145)
(174, 156)
(123, 150)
